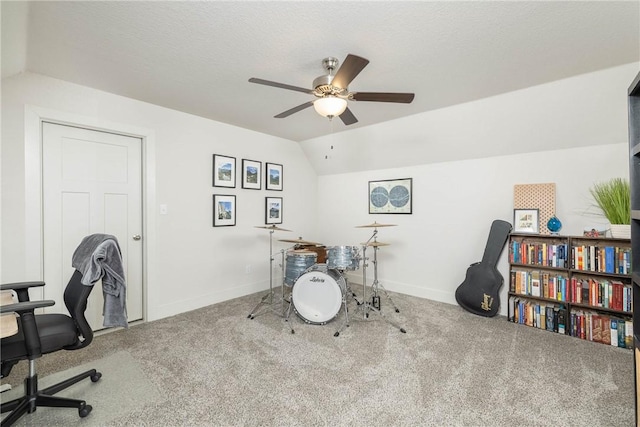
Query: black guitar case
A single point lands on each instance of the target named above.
(479, 291)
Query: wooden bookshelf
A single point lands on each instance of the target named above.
(634, 180)
(577, 286)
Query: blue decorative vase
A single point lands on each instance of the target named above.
(554, 225)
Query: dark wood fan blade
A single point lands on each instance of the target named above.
(404, 98)
(348, 71)
(280, 85)
(294, 110)
(348, 118)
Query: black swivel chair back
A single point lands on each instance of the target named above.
(40, 334)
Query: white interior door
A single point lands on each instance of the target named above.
(92, 183)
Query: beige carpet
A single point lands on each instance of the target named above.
(215, 367)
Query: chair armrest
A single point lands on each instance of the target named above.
(22, 307)
(21, 288)
(19, 285)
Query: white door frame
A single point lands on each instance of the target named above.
(34, 233)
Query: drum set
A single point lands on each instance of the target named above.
(314, 282)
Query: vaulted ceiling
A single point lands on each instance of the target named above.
(197, 57)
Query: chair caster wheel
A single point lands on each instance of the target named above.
(251, 317)
(96, 377)
(84, 411)
(336, 334)
(403, 330)
(293, 332)
(397, 311)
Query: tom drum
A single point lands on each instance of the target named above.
(343, 257)
(297, 262)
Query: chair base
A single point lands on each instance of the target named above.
(33, 398)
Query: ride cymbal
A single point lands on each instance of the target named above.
(271, 227)
(375, 244)
(299, 241)
(375, 225)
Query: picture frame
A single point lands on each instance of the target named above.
(224, 171)
(251, 174)
(273, 176)
(224, 210)
(273, 210)
(526, 221)
(391, 196)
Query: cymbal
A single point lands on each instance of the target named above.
(300, 241)
(271, 227)
(375, 244)
(376, 225)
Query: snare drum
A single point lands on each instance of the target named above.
(318, 294)
(343, 257)
(297, 262)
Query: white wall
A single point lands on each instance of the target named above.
(585, 110)
(454, 204)
(454, 201)
(572, 132)
(191, 264)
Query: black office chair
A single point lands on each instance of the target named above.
(40, 334)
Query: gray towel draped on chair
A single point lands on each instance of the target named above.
(99, 257)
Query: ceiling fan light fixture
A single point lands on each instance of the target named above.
(330, 106)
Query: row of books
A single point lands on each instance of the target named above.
(538, 253)
(601, 328)
(602, 259)
(583, 324)
(612, 294)
(537, 283)
(538, 314)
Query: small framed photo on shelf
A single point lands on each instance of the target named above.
(391, 196)
(224, 210)
(224, 171)
(251, 174)
(526, 221)
(273, 210)
(273, 176)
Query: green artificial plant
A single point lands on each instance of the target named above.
(613, 197)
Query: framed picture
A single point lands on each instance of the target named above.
(273, 210)
(251, 174)
(391, 196)
(224, 210)
(224, 171)
(273, 176)
(526, 221)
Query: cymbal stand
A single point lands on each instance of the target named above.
(368, 306)
(268, 299)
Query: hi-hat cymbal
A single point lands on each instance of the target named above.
(376, 225)
(271, 227)
(375, 244)
(299, 241)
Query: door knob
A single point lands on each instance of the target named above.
(137, 237)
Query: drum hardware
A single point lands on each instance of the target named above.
(374, 305)
(268, 299)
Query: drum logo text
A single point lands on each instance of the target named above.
(316, 279)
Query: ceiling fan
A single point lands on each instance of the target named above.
(332, 90)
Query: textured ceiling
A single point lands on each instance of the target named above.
(197, 56)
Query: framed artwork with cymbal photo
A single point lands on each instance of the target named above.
(390, 196)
